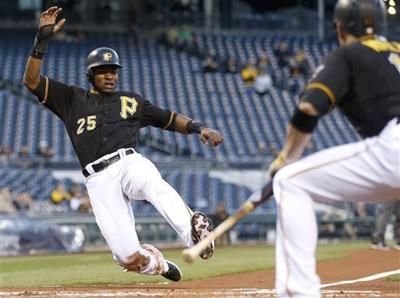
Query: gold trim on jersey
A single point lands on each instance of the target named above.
(92, 91)
(381, 45)
(170, 120)
(323, 88)
(46, 90)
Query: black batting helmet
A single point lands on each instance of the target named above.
(361, 17)
(99, 57)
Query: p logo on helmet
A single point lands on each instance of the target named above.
(101, 57)
(107, 56)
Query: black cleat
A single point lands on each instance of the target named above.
(201, 228)
(173, 272)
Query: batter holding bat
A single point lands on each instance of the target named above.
(362, 79)
(102, 124)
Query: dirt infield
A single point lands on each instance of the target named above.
(360, 263)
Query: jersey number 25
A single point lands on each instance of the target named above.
(90, 124)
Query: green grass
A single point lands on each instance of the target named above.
(395, 277)
(99, 268)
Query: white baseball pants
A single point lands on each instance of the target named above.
(367, 171)
(111, 191)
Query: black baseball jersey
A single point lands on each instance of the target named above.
(99, 124)
(363, 80)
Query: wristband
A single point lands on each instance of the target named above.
(35, 54)
(194, 127)
(41, 44)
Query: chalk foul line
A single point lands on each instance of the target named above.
(367, 278)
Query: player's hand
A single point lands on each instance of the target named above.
(210, 137)
(276, 165)
(49, 17)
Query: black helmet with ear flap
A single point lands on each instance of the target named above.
(99, 57)
(361, 17)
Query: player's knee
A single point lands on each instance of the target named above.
(280, 179)
(134, 262)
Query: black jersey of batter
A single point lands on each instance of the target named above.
(363, 80)
(99, 124)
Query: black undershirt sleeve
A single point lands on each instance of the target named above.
(319, 100)
(41, 89)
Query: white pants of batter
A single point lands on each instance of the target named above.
(111, 191)
(364, 171)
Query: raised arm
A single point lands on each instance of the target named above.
(47, 27)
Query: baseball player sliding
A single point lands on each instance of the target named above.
(102, 124)
(361, 78)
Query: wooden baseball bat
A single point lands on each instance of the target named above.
(190, 254)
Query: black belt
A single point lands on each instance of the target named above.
(101, 165)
